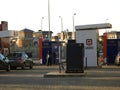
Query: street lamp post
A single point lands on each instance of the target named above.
(49, 19)
(73, 33)
(61, 23)
(41, 22)
(73, 22)
(106, 21)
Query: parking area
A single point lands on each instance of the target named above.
(105, 78)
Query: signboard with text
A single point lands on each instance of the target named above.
(88, 37)
(87, 34)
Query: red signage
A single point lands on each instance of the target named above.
(89, 42)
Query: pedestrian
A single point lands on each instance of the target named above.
(105, 61)
(100, 61)
(48, 56)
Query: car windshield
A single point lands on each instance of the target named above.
(17, 54)
(1, 57)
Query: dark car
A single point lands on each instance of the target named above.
(20, 59)
(4, 63)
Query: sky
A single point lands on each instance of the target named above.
(22, 14)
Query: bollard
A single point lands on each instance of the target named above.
(85, 62)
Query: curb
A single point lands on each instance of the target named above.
(63, 74)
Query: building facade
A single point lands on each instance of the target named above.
(4, 41)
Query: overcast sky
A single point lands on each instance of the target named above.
(22, 14)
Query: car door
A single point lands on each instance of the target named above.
(27, 60)
(1, 64)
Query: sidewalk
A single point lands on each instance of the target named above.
(64, 74)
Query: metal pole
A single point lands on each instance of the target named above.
(73, 22)
(59, 60)
(86, 62)
(41, 22)
(61, 23)
(49, 19)
(106, 22)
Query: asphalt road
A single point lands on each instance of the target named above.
(107, 78)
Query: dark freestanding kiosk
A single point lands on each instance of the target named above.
(75, 58)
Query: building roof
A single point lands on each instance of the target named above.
(93, 26)
(26, 30)
(46, 32)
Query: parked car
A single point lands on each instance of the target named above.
(20, 59)
(117, 59)
(4, 63)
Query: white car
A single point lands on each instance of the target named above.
(4, 63)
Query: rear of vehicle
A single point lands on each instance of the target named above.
(4, 64)
(20, 59)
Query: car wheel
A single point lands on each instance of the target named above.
(13, 68)
(8, 68)
(31, 66)
(23, 67)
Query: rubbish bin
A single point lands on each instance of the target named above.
(75, 57)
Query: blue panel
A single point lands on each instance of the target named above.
(112, 50)
(55, 53)
(46, 46)
(53, 47)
